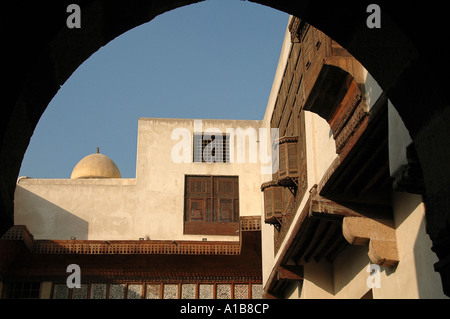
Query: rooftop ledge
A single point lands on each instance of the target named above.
(82, 181)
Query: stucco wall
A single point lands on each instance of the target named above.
(149, 206)
(268, 257)
(85, 209)
(399, 139)
(414, 276)
(163, 180)
(350, 276)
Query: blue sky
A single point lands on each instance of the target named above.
(216, 60)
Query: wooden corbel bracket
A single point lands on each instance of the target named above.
(380, 234)
(290, 273)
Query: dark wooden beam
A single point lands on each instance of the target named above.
(290, 273)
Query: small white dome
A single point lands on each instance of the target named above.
(96, 165)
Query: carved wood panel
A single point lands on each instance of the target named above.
(211, 205)
(308, 47)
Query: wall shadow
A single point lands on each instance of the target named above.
(43, 217)
(429, 282)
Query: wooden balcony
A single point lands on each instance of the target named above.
(273, 202)
(289, 162)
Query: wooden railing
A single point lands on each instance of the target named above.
(157, 247)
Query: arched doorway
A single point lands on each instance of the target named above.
(405, 57)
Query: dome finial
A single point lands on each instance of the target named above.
(98, 150)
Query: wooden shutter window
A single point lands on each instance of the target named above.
(197, 209)
(288, 158)
(226, 210)
(197, 186)
(225, 187)
(211, 205)
(273, 202)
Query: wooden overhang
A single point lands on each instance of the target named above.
(359, 178)
(316, 235)
(27, 259)
(320, 234)
(352, 203)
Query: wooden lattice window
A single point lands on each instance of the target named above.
(211, 205)
(273, 202)
(188, 289)
(288, 158)
(211, 148)
(24, 290)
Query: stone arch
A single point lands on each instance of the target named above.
(404, 56)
